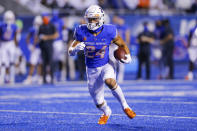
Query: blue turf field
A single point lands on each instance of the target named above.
(159, 105)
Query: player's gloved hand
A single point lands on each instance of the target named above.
(80, 46)
(30, 47)
(127, 60)
(73, 50)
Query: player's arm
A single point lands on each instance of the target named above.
(74, 47)
(30, 46)
(120, 42)
(189, 39)
(15, 38)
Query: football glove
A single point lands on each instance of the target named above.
(30, 47)
(73, 50)
(127, 60)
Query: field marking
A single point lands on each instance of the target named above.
(126, 82)
(129, 88)
(115, 101)
(9, 103)
(92, 114)
(108, 94)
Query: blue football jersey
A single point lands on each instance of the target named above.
(7, 33)
(33, 32)
(97, 47)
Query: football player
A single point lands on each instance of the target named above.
(35, 53)
(58, 44)
(192, 49)
(94, 38)
(8, 38)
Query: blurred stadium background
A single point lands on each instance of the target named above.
(181, 14)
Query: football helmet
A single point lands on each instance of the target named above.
(94, 16)
(9, 17)
(37, 20)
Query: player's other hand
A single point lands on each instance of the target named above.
(127, 59)
(80, 46)
(30, 47)
(73, 50)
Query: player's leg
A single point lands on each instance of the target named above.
(120, 72)
(109, 78)
(59, 58)
(62, 58)
(190, 74)
(96, 90)
(192, 59)
(1, 79)
(12, 53)
(71, 65)
(4, 60)
(55, 58)
(39, 68)
(33, 61)
(3, 73)
(39, 74)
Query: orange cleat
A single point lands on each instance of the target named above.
(131, 114)
(103, 119)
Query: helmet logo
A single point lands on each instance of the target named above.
(96, 15)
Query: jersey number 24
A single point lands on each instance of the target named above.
(91, 52)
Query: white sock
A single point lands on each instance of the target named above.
(120, 96)
(3, 70)
(106, 109)
(12, 73)
(190, 75)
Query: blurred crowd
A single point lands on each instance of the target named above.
(48, 38)
(148, 6)
(189, 5)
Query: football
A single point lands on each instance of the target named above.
(119, 53)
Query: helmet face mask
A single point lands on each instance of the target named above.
(94, 16)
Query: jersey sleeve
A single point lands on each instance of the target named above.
(77, 34)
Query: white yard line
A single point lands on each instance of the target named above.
(92, 114)
(9, 103)
(115, 101)
(192, 93)
(126, 82)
